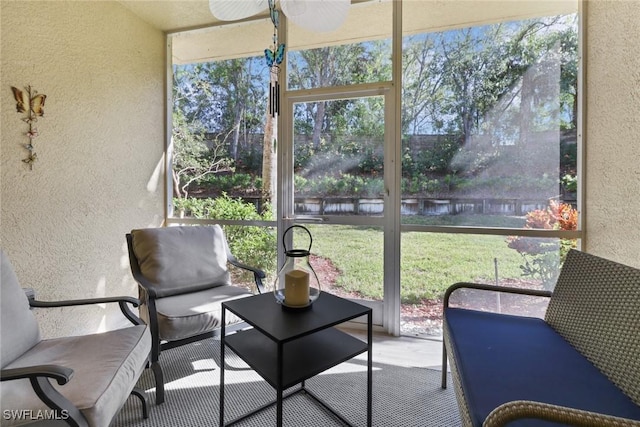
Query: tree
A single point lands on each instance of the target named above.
(239, 83)
(422, 85)
(223, 102)
(192, 158)
(480, 89)
(499, 86)
(335, 66)
(227, 97)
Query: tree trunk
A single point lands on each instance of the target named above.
(317, 125)
(176, 185)
(526, 103)
(234, 142)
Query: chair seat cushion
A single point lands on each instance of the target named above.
(501, 358)
(105, 367)
(187, 315)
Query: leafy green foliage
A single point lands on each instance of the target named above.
(568, 157)
(346, 185)
(346, 167)
(422, 185)
(434, 159)
(570, 183)
(542, 257)
(232, 183)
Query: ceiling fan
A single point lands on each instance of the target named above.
(313, 15)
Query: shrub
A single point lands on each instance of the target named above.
(570, 183)
(568, 155)
(231, 183)
(250, 159)
(374, 187)
(342, 185)
(539, 255)
(191, 206)
(371, 160)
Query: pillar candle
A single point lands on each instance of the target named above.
(296, 288)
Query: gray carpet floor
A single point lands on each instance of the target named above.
(402, 396)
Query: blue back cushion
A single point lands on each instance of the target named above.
(502, 358)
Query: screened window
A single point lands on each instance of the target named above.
(447, 150)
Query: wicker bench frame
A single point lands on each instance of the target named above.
(589, 291)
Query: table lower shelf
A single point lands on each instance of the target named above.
(302, 358)
(301, 389)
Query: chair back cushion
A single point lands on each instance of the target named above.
(176, 260)
(596, 307)
(19, 329)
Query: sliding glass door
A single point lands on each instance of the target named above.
(336, 183)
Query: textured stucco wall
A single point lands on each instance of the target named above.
(613, 130)
(100, 151)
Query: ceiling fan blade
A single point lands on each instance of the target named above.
(232, 10)
(316, 15)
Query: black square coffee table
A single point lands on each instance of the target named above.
(286, 348)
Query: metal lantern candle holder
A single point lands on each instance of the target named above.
(296, 286)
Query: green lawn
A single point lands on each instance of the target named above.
(430, 262)
(466, 220)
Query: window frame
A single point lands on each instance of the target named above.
(393, 151)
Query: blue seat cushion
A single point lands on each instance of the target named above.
(501, 358)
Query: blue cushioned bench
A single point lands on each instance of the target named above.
(579, 366)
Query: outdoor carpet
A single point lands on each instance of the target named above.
(402, 396)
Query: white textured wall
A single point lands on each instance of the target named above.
(100, 150)
(613, 130)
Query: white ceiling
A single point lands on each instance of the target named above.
(250, 37)
(175, 15)
(172, 15)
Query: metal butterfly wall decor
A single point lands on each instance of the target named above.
(31, 103)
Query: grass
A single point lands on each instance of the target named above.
(357, 252)
(466, 220)
(430, 262)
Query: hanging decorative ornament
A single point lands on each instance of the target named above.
(274, 57)
(312, 15)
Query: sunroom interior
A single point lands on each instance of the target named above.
(104, 146)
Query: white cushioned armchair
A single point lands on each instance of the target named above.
(184, 279)
(83, 380)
